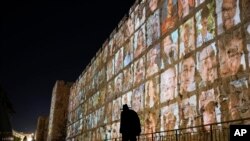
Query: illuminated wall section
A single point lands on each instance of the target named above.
(178, 63)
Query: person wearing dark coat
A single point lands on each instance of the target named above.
(130, 126)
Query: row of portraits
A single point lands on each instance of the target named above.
(195, 31)
(210, 106)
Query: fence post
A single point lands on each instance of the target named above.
(211, 132)
(176, 134)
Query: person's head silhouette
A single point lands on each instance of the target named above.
(125, 107)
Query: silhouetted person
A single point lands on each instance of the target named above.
(130, 124)
(25, 138)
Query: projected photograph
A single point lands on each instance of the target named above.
(108, 131)
(126, 99)
(117, 104)
(188, 113)
(170, 49)
(208, 107)
(119, 39)
(110, 69)
(198, 2)
(170, 117)
(169, 15)
(185, 7)
(153, 60)
(102, 95)
(187, 75)
(187, 41)
(228, 14)
(137, 98)
(101, 76)
(139, 41)
(105, 53)
(153, 28)
(118, 83)
(168, 84)
(152, 92)
(139, 70)
(205, 24)
(231, 55)
(152, 5)
(129, 25)
(238, 104)
(150, 125)
(128, 78)
(110, 90)
(108, 113)
(128, 52)
(140, 15)
(95, 98)
(115, 130)
(100, 116)
(110, 46)
(118, 60)
(207, 64)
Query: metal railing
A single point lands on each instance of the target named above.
(210, 132)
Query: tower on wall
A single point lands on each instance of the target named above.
(42, 128)
(58, 111)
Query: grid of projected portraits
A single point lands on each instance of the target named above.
(172, 61)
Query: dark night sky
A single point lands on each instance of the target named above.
(44, 41)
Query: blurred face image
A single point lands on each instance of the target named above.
(130, 26)
(139, 71)
(140, 43)
(168, 84)
(170, 8)
(234, 51)
(136, 102)
(153, 60)
(228, 13)
(170, 120)
(153, 5)
(187, 74)
(150, 123)
(207, 66)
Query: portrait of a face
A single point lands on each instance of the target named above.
(150, 123)
(140, 15)
(188, 113)
(169, 117)
(137, 98)
(170, 48)
(111, 47)
(228, 14)
(152, 4)
(231, 54)
(128, 78)
(185, 7)
(116, 109)
(118, 60)
(207, 106)
(187, 42)
(169, 15)
(153, 28)
(139, 41)
(205, 25)
(168, 84)
(152, 92)
(128, 52)
(110, 91)
(116, 130)
(239, 99)
(108, 113)
(119, 39)
(126, 99)
(110, 69)
(130, 25)
(207, 64)
(118, 83)
(153, 60)
(187, 75)
(139, 70)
